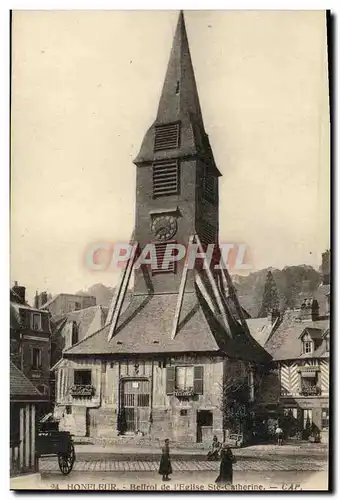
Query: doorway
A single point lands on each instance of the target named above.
(136, 403)
(204, 419)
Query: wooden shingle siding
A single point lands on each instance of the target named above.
(165, 178)
(167, 136)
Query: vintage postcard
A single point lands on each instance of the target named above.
(170, 250)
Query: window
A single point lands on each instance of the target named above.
(183, 413)
(165, 178)
(308, 347)
(167, 136)
(82, 377)
(325, 418)
(184, 377)
(68, 409)
(307, 418)
(36, 321)
(77, 306)
(74, 331)
(36, 358)
(164, 266)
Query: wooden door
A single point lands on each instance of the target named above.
(136, 402)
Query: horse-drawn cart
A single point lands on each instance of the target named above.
(52, 442)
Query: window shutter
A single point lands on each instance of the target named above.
(198, 379)
(170, 379)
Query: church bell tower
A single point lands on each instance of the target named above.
(177, 179)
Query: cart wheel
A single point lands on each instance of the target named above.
(66, 462)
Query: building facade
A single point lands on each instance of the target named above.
(24, 399)
(30, 341)
(159, 368)
(296, 390)
(63, 303)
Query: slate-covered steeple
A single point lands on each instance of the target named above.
(179, 94)
(179, 103)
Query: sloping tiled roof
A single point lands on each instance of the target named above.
(20, 386)
(146, 327)
(285, 342)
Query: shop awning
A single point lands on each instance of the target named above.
(308, 374)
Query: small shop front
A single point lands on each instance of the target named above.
(306, 418)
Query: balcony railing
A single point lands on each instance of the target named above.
(310, 391)
(184, 393)
(82, 391)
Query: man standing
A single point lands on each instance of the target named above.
(279, 434)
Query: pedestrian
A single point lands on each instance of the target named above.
(165, 465)
(214, 451)
(226, 466)
(279, 434)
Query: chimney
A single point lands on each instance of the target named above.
(309, 310)
(273, 315)
(42, 299)
(20, 291)
(36, 300)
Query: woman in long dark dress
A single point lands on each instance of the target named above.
(165, 465)
(226, 466)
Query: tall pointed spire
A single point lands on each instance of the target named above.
(179, 103)
(179, 95)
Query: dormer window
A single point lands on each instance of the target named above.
(36, 321)
(307, 347)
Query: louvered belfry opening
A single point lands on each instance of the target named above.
(209, 187)
(165, 177)
(167, 136)
(169, 264)
(207, 233)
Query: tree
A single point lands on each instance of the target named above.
(270, 299)
(235, 404)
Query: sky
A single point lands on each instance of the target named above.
(85, 88)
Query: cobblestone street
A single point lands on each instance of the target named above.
(284, 464)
